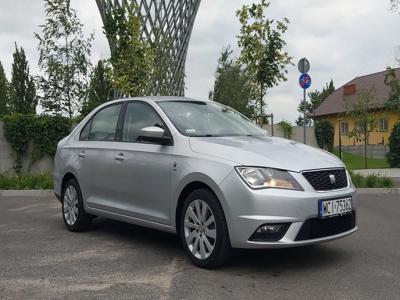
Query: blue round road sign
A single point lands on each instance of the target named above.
(305, 81)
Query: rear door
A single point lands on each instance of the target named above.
(97, 148)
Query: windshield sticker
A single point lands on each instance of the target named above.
(190, 131)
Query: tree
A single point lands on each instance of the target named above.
(316, 99)
(100, 87)
(23, 98)
(361, 111)
(232, 86)
(64, 59)
(394, 154)
(262, 53)
(395, 4)
(287, 128)
(132, 58)
(393, 101)
(325, 134)
(4, 93)
(308, 108)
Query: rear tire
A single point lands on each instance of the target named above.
(74, 215)
(203, 230)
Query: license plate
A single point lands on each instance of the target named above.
(336, 207)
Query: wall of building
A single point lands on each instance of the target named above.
(297, 134)
(7, 159)
(376, 137)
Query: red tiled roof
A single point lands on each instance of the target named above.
(336, 103)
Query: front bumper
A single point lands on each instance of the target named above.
(246, 210)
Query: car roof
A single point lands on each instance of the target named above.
(163, 99)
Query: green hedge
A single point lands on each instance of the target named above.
(26, 182)
(371, 181)
(325, 134)
(44, 132)
(393, 156)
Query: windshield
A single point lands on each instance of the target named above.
(208, 119)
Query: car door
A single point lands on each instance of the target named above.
(143, 170)
(97, 148)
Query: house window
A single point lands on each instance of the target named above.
(344, 128)
(383, 124)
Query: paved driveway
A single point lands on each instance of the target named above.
(39, 259)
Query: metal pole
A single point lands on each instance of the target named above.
(304, 117)
(365, 144)
(272, 126)
(340, 143)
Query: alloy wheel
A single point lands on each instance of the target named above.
(70, 207)
(200, 229)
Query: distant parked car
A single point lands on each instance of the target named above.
(205, 172)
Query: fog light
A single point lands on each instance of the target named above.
(269, 228)
(270, 232)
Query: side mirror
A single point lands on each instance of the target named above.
(154, 135)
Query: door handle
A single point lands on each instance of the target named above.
(82, 154)
(120, 157)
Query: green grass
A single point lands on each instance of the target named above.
(356, 162)
(26, 182)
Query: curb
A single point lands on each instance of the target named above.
(27, 193)
(367, 191)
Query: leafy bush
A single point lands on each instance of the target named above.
(387, 182)
(358, 180)
(325, 134)
(287, 129)
(43, 131)
(26, 182)
(18, 132)
(393, 156)
(47, 132)
(371, 181)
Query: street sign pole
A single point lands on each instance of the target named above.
(304, 117)
(305, 83)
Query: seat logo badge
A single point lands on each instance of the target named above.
(332, 178)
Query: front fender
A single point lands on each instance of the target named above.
(210, 174)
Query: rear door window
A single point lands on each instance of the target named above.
(104, 124)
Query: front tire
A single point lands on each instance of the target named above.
(203, 230)
(74, 215)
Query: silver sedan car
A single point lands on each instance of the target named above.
(205, 172)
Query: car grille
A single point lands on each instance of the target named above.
(327, 180)
(319, 228)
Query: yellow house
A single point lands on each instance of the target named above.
(334, 109)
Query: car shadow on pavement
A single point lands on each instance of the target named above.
(272, 260)
(290, 259)
(138, 235)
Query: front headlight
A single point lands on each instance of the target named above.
(264, 178)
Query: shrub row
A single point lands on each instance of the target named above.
(371, 181)
(394, 154)
(43, 131)
(26, 182)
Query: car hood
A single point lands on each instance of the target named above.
(266, 151)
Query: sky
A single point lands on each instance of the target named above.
(342, 39)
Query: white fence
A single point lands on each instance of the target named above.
(297, 134)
